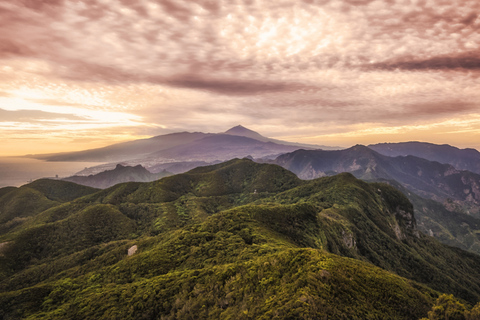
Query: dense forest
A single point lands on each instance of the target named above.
(237, 240)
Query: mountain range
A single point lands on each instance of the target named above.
(446, 199)
(461, 159)
(118, 175)
(183, 146)
(229, 237)
(426, 178)
(236, 239)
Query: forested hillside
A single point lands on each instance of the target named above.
(235, 240)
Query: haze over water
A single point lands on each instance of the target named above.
(17, 171)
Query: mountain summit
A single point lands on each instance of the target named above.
(245, 132)
(237, 142)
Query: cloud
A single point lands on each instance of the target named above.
(224, 85)
(467, 61)
(55, 102)
(35, 116)
(231, 86)
(118, 40)
(284, 66)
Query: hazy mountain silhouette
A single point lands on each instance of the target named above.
(118, 175)
(184, 146)
(222, 147)
(461, 159)
(126, 150)
(245, 132)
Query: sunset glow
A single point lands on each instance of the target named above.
(85, 74)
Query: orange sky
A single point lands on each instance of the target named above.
(84, 74)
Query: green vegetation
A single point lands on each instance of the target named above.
(445, 200)
(235, 240)
(447, 222)
(18, 205)
(447, 307)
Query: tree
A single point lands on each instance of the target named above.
(447, 307)
(474, 314)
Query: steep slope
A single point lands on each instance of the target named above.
(461, 159)
(237, 239)
(118, 175)
(452, 227)
(374, 222)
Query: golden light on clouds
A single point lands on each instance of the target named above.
(81, 74)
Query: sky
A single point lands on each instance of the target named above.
(80, 74)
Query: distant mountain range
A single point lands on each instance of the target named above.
(429, 179)
(461, 159)
(118, 175)
(237, 142)
(236, 239)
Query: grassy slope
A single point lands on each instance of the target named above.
(237, 239)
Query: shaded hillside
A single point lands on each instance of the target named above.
(461, 159)
(118, 175)
(452, 227)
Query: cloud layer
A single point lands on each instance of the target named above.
(298, 69)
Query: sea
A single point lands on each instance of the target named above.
(17, 171)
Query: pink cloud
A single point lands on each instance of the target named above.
(302, 62)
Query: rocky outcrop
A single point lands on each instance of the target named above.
(132, 250)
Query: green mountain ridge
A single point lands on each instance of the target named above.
(446, 200)
(17, 205)
(237, 239)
